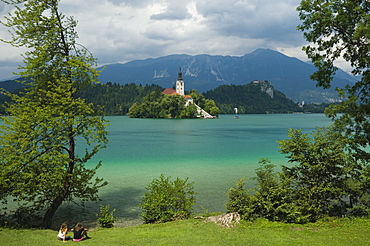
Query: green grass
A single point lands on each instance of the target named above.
(196, 232)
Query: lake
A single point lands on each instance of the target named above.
(212, 153)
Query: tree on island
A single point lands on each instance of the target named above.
(159, 105)
(208, 105)
(40, 167)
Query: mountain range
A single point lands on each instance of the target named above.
(287, 74)
(205, 72)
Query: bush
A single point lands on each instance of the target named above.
(106, 218)
(240, 201)
(167, 200)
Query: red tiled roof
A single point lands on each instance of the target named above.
(170, 91)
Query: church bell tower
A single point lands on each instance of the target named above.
(180, 87)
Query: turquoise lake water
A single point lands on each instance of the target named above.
(212, 153)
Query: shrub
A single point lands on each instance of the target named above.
(240, 201)
(167, 200)
(106, 218)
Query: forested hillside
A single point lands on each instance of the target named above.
(253, 98)
(116, 99)
(261, 98)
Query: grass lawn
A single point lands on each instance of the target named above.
(196, 232)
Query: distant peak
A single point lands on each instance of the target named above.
(260, 50)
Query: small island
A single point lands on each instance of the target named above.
(174, 103)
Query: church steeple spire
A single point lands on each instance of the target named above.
(179, 77)
(180, 87)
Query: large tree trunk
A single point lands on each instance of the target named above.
(50, 212)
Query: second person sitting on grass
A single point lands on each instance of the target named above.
(79, 232)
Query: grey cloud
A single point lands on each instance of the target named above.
(2, 7)
(266, 19)
(174, 11)
(133, 3)
(160, 36)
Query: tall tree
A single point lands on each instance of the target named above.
(341, 29)
(40, 165)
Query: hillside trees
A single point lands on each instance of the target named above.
(250, 99)
(116, 99)
(40, 166)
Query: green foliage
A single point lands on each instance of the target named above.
(251, 98)
(158, 105)
(272, 193)
(271, 198)
(167, 200)
(115, 99)
(326, 179)
(328, 171)
(105, 217)
(340, 30)
(189, 112)
(40, 167)
(239, 200)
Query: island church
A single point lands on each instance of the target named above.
(179, 89)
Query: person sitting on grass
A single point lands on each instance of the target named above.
(62, 234)
(79, 233)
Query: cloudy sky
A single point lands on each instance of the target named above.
(118, 31)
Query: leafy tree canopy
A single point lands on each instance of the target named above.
(339, 29)
(40, 167)
(324, 179)
(159, 105)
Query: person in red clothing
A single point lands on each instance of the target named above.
(79, 232)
